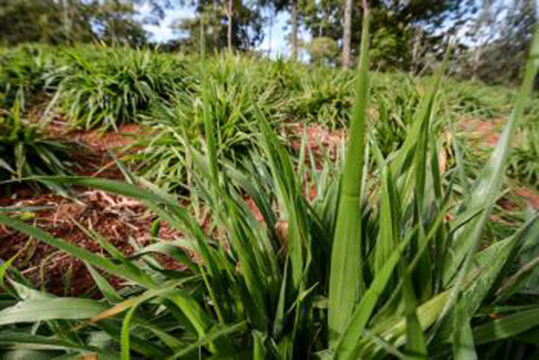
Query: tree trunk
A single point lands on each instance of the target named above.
(230, 13)
(347, 34)
(483, 21)
(270, 37)
(415, 50)
(294, 41)
(67, 19)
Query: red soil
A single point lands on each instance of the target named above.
(319, 140)
(486, 134)
(115, 218)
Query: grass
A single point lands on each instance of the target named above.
(117, 86)
(324, 98)
(103, 88)
(524, 165)
(32, 69)
(231, 86)
(407, 277)
(26, 151)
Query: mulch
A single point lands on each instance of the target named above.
(485, 134)
(124, 222)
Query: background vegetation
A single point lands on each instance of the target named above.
(491, 35)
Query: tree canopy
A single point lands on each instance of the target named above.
(491, 35)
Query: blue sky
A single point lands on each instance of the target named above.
(163, 31)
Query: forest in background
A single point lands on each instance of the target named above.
(491, 36)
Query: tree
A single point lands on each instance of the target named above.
(500, 41)
(42, 21)
(347, 34)
(229, 15)
(322, 51)
(114, 23)
(294, 34)
(67, 21)
(394, 24)
(237, 27)
(294, 7)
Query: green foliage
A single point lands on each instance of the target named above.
(346, 283)
(473, 99)
(114, 86)
(32, 69)
(70, 21)
(400, 28)
(524, 164)
(405, 264)
(231, 83)
(26, 151)
(323, 51)
(323, 98)
(391, 48)
(395, 100)
(100, 87)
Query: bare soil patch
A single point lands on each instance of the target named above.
(319, 140)
(484, 134)
(122, 221)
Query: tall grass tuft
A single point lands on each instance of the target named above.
(35, 70)
(26, 151)
(111, 87)
(524, 164)
(231, 83)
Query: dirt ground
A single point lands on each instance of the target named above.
(484, 135)
(120, 220)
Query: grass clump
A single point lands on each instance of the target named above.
(26, 151)
(524, 164)
(33, 69)
(225, 99)
(324, 98)
(109, 87)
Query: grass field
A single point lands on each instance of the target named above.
(177, 206)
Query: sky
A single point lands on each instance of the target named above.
(276, 43)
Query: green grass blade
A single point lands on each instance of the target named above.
(345, 273)
(31, 341)
(347, 347)
(507, 327)
(125, 333)
(80, 253)
(463, 343)
(104, 286)
(51, 309)
(493, 261)
(488, 186)
(388, 221)
(212, 336)
(416, 347)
